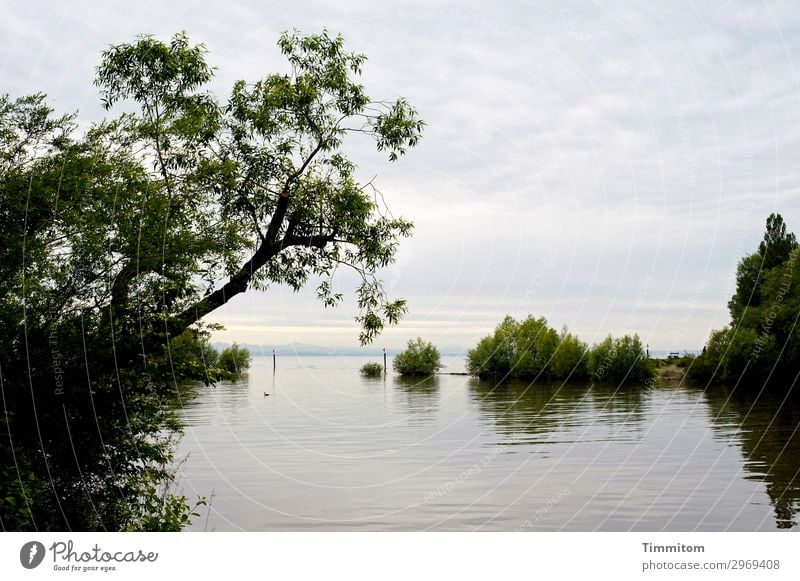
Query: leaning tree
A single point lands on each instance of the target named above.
(119, 239)
(258, 190)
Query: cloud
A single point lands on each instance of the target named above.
(635, 142)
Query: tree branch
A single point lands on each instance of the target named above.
(236, 284)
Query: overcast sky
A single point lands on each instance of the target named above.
(604, 164)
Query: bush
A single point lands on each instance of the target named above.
(419, 358)
(621, 360)
(516, 349)
(493, 355)
(735, 354)
(372, 369)
(686, 360)
(535, 345)
(234, 359)
(192, 357)
(532, 350)
(527, 350)
(570, 360)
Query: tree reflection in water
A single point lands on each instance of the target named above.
(519, 408)
(768, 428)
(419, 395)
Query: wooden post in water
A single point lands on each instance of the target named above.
(273, 361)
(384, 360)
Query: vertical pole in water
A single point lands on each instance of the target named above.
(273, 361)
(384, 360)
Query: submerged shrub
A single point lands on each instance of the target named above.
(535, 345)
(419, 358)
(570, 359)
(372, 369)
(493, 355)
(532, 350)
(621, 360)
(234, 359)
(526, 350)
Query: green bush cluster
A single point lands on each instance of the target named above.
(530, 349)
(234, 360)
(372, 369)
(419, 358)
(193, 357)
(684, 360)
(621, 360)
(762, 339)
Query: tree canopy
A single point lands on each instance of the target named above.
(117, 240)
(761, 344)
(256, 191)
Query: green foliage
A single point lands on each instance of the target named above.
(116, 240)
(19, 485)
(684, 361)
(234, 359)
(152, 505)
(516, 349)
(494, 354)
(535, 345)
(532, 350)
(620, 360)
(528, 349)
(734, 353)
(773, 253)
(372, 369)
(570, 359)
(777, 244)
(419, 358)
(762, 341)
(192, 357)
(748, 285)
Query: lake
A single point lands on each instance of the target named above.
(331, 450)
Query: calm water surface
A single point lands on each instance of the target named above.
(330, 450)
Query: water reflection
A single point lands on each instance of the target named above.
(768, 428)
(518, 408)
(223, 402)
(330, 450)
(418, 395)
(614, 403)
